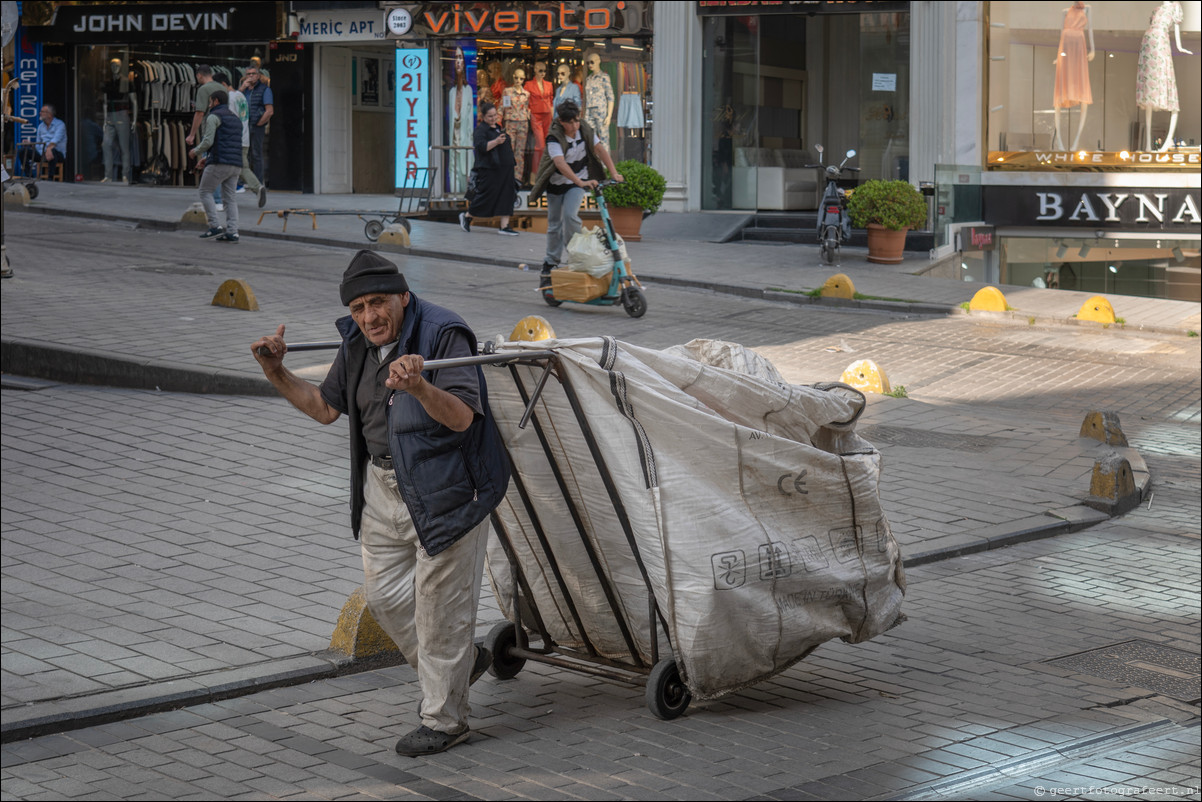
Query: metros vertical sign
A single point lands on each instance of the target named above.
(412, 116)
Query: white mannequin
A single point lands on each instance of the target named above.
(1084, 106)
(1148, 109)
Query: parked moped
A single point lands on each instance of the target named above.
(834, 224)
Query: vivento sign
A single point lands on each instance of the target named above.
(1159, 208)
(525, 19)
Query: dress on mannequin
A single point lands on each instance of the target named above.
(515, 109)
(1156, 80)
(1073, 55)
(462, 125)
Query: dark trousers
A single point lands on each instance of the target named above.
(29, 155)
(258, 134)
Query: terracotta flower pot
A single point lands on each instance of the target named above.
(885, 247)
(627, 220)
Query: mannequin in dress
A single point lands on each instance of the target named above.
(1156, 81)
(541, 92)
(598, 98)
(119, 108)
(1073, 55)
(462, 124)
(566, 88)
(515, 110)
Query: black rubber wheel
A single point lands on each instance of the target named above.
(32, 189)
(405, 224)
(667, 696)
(373, 230)
(830, 247)
(550, 299)
(633, 302)
(498, 641)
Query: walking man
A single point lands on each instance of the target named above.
(427, 469)
(571, 168)
(222, 141)
(262, 107)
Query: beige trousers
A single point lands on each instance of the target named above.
(427, 605)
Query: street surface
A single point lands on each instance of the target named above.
(151, 539)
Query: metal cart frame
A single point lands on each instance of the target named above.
(666, 694)
(413, 201)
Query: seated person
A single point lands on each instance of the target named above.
(50, 145)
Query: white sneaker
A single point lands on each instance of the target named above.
(221, 207)
(241, 188)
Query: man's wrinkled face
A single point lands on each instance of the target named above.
(379, 315)
(46, 114)
(253, 75)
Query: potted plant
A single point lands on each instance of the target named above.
(888, 209)
(638, 196)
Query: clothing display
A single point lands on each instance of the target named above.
(598, 97)
(462, 122)
(633, 80)
(1156, 81)
(515, 111)
(542, 93)
(1072, 61)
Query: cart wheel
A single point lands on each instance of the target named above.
(550, 299)
(498, 641)
(373, 230)
(405, 224)
(633, 302)
(32, 189)
(667, 696)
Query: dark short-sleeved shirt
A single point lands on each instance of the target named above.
(372, 396)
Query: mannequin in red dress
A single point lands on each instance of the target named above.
(542, 93)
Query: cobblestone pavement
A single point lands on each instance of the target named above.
(162, 542)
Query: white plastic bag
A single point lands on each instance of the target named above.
(587, 253)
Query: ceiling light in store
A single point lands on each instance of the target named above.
(1112, 268)
(1084, 250)
(1178, 255)
(1061, 251)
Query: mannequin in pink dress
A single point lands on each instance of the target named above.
(1072, 69)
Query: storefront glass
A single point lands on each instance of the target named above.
(776, 84)
(134, 106)
(1115, 264)
(1096, 82)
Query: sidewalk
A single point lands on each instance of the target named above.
(1012, 479)
(672, 252)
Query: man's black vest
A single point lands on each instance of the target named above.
(227, 144)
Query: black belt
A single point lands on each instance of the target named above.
(382, 462)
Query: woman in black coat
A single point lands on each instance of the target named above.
(496, 193)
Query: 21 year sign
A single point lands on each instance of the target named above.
(412, 116)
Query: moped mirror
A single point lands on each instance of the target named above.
(819, 149)
(851, 152)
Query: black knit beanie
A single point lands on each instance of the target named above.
(369, 272)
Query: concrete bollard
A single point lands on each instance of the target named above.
(194, 217)
(236, 294)
(1098, 310)
(1104, 427)
(1112, 488)
(16, 193)
(988, 299)
(396, 235)
(532, 328)
(838, 286)
(865, 375)
(357, 634)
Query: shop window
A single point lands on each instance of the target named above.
(610, 78)
(1098, 85)
(1127, 265)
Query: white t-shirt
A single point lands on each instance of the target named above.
(239, 106)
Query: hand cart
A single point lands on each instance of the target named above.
(665, 693)
(413, 201)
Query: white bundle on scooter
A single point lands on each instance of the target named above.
(588, 253)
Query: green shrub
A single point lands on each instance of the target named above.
(893, 204)
(643, 188)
